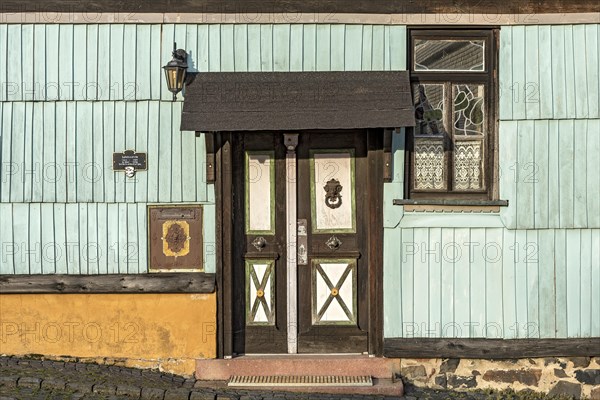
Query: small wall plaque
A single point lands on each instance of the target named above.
(130, 162)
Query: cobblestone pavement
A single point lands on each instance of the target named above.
(22, 379)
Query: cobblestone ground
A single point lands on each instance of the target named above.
(22, 379)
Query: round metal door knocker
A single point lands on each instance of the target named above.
(333, 198)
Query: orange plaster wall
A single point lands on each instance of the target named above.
(167, 331)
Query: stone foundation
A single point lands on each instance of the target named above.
(576, 377)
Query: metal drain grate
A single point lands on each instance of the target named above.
(311, 381)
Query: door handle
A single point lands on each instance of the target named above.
(259, 243)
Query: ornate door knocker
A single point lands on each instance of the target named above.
(333, 198)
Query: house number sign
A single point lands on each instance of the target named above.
(130, 162)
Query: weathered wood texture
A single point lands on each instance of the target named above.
(84, 238)
(491, 348)
(123, 61)
(61, 152)
(550, 173)
(144, 283)
(278, 101)
(549, 72)
(491, 282)
(292, 7)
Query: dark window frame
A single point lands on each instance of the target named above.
(488, 77)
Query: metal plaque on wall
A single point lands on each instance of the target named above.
(175, 238)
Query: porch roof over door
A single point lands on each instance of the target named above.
(275, 101)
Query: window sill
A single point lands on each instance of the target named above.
(453, 205)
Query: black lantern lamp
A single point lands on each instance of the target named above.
(176, 71)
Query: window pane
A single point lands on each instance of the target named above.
(469, 117)
(449, 55)
(468, 168)
(429, 109)
(429, 164)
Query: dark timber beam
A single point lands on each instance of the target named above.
(490, 348)
(142, 283)
(293, 8)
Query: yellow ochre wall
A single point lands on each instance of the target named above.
(166, 331)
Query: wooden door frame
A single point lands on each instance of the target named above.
(224, 143)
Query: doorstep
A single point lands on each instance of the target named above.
(382, 370)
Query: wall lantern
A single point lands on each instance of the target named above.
(176, 71)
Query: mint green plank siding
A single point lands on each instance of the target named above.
(549, 72)
(491, 282)
(62, 152)
(550, 173)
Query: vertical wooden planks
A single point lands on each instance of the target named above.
(580, 171)
(3, 61)
(266, 48)
(554, 170)
(166, 54)
(144, 65)
(525, 175)
(93, 249)
(66, 61)
(8, 167)
(129, 81)
(84, 149)
(560, 274)
(505, 73)
(156, 72)
(521, 285)
(545, 56)
(201, 165)
(309, 49)
(79, 55)
(323, 57)
(573, 282)
(59, 224)
(119, 144)
(540, 178)
(132, 246)
(338, 33)
(48, 244)
(508, 135)
(104, 61)
(154, 137)
(447, 293)
(559, 89)
(595, 281)
(478, 282)
(393, 286)
(100, 166)
(240, 47)
(102, 237)
(142, 237)
(177, 165)
(353, 48)
(397, 44)
(141, 145)
(50, 170)
(81, 247)
(37, 150)
(123, 242)
(580, 75)
(108, 137)
(531, 83)
(547, 293)
(459, 252)
(188, 165)
(434, 259)
(16, 190)
(378, 48)
(570, 67)
(421, 297)
(112, 248)
(592, 40)
(227, 48)
(164, 152)
(531, 259)
(254, 48)
(366, 58)
(407, 279)
(14, 89)
(519, 79)
(296, 47)
(593, 178)
(492, 254)
(7, 241)
(72, 238)
(39, 62)
(20, 232)
(28, 171)
(585, 283)
(281, 47)
(90, 88)
(509, 300)
(209, 236)
(566, 172)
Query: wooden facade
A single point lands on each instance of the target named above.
(72, 94)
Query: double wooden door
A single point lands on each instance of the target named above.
(301, 276)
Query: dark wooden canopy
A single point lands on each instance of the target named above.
(294, 7)
(251, 101)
